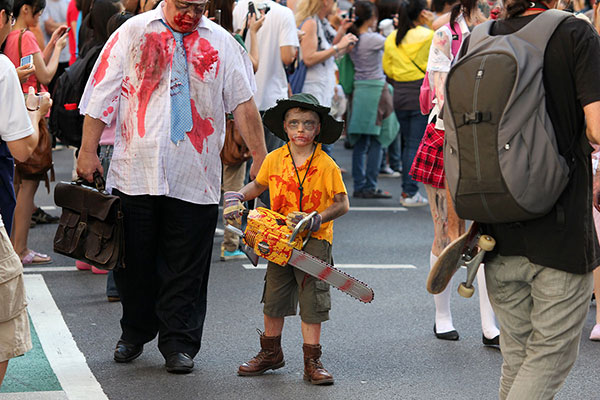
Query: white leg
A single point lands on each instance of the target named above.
(488, 321)
(443, 315)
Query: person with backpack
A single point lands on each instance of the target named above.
(428, 167)
(372, 123)
(404, 62)
(520, 107)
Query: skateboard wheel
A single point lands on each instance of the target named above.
(486, 243)
(465, 291)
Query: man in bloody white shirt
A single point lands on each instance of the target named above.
(168, 180)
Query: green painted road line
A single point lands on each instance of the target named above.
(31, 372)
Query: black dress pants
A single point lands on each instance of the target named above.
(163, 287)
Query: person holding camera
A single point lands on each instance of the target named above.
(277, 43)
(319, 47)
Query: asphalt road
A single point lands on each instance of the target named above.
(382, 350)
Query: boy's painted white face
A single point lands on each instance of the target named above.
(301, 126)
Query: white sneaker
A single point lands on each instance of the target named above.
(415, 201)
(387, 172)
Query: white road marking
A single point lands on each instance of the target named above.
(349, 266)
(48, 269)
(65, 358)
(394, 209)
(54, 395)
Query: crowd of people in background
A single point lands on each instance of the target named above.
(377, 55)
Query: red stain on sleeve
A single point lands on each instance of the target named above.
(103, 66)
(157, 53)
(202, 55)
(108, 111)
(201, 130)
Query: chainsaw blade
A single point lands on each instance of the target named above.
(327, 273)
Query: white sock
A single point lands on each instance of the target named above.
(488, 318)
(443, 315)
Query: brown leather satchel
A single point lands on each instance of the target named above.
(91, 225)
(234, 150)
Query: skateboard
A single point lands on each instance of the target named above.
(467, 250)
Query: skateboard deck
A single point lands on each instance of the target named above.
(466, 250)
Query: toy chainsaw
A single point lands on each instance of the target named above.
(267, 235)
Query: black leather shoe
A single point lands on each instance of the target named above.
(491, 342)
(452, 335)
(126, 352)
(179, 363)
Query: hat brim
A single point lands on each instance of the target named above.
(331, 129)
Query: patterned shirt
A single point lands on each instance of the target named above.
(132, 78)
(323, 181)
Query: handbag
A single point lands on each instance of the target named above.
(90, 228)
(346, 73)
(40, 161)
(234, 150)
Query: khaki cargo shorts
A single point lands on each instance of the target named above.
(15, 337)
(287, 286)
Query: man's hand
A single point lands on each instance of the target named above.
(25, 71)
(294, 218)
(87, 164)
(233, 207)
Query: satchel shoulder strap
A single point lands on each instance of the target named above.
(21, 41)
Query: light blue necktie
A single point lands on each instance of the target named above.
(181, 108)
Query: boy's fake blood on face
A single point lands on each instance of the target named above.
(103, 66)
(157, 53)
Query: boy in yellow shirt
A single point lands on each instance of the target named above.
(301, 178)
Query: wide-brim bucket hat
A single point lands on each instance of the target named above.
(330, 128)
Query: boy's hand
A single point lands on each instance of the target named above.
(295, 217)
(233, 207)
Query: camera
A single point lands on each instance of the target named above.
(263, 6)
(251, 9)
(351, 14)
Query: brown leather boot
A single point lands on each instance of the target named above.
(269, 357)
(314, 372)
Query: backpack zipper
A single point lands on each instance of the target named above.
(475, 142)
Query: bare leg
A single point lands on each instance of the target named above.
(273, 326)
(23, 210)
(311, 333)
(3, 367)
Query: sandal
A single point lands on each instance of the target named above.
(35, 258)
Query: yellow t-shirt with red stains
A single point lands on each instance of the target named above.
(323, 181)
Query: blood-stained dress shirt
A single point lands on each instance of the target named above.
(132, 78)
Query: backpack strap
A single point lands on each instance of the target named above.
(457, 38)
(539, 31)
